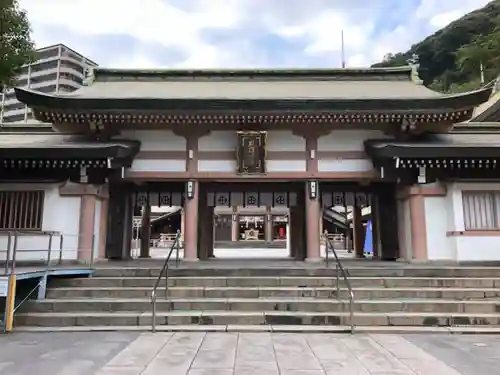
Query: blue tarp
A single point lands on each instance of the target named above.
(368, 248)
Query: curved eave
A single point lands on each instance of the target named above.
(490, 114)
(122, 152)
(72, 104)
(382, 149)
(472, 127)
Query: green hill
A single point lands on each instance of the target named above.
(450, 59)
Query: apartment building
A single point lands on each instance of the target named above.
(57, 69)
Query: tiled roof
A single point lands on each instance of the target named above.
(370, 89)
(366, 83)
(255, 90)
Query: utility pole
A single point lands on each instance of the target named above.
(342, 48)
(481, 70)
(2, 104)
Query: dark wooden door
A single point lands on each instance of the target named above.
(223, 227)
(117, 224)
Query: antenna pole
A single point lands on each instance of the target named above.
(342, 48)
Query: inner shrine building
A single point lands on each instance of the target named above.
(303, 150)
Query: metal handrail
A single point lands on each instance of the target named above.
(12, 248)
(339, 267)
(12, 244)
(176, 245)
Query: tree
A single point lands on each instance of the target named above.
(16, 45)
(388, 57)
(451, 59)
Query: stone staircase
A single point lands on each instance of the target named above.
(270, 297)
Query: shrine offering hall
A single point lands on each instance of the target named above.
(270, 158)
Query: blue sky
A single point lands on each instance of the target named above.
(238, 33)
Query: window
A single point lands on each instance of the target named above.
(12, 118)
(47, 53)
(21, 83)
(43, 78)
(47, 89)
(70, 64)
(14, 106)
(23, 70)
(21, 210)
(66, 88)
(42, 67)
(10, 95)
(481, 210)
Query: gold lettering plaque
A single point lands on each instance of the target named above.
(251, 153)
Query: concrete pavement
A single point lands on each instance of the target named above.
(227, 353)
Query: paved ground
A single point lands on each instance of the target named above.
(199, 353)
(60, 353)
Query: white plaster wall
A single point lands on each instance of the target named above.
(286, 165)
(218, 141)
(407, 221)
(472, 248)
(216, 165)
(97, 226)
(285, 141)
(347, 140)
(455, 206)
(158, 165)
(156, 140)
(453, 196)
(60, 214)
(344, 165)
(271, 165)
(445, 214)
(436, 222)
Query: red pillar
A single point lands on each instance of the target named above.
(191, 225)
(313, 214)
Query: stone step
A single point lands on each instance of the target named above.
(263, 292)
(229, 269)
(84, 318)
(237, 281)
(264, 304)
(469, 329)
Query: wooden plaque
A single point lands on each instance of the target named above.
(251, 153)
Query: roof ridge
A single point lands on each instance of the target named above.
(102, 74)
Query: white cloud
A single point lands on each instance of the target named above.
(323, 32)
(437, 9)
(443, 19)
(152, 21)
(232, 33)
(135, 61)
